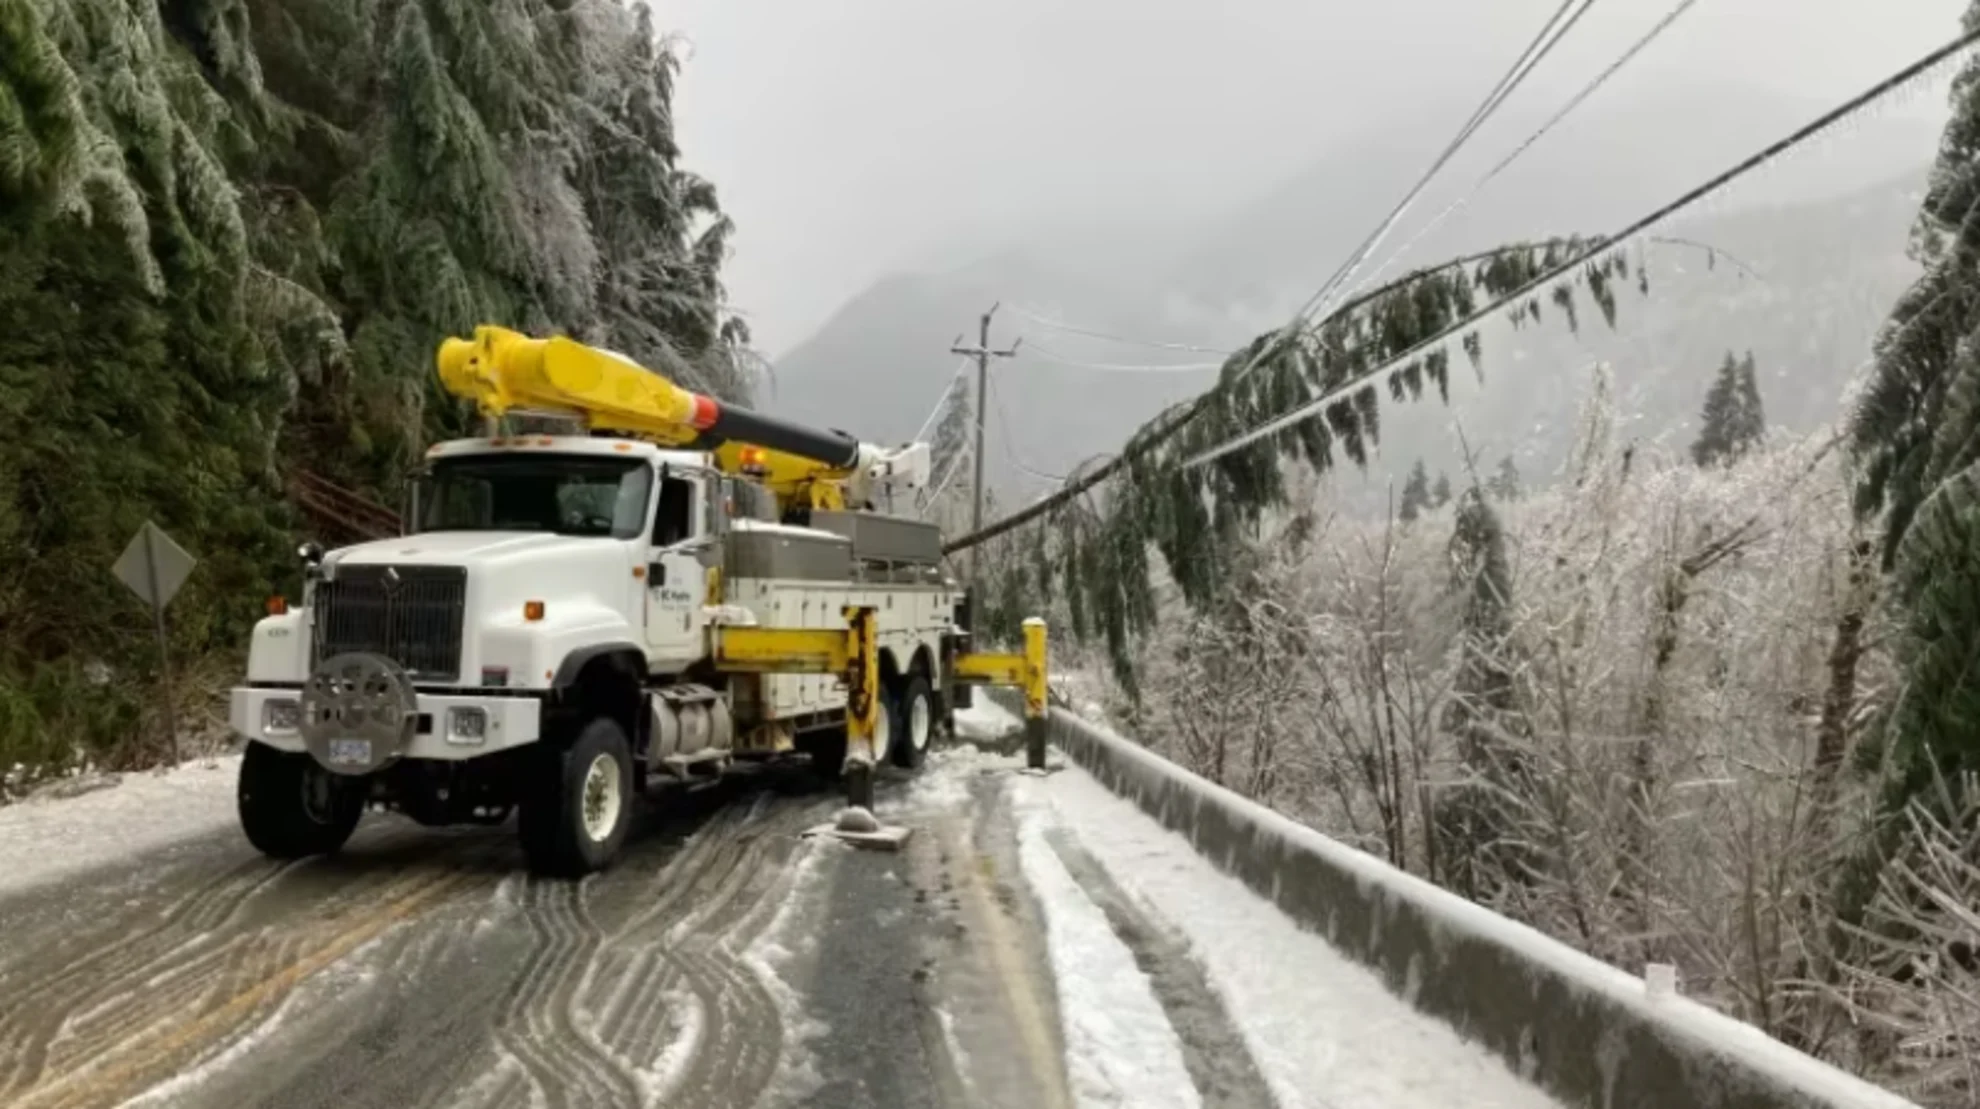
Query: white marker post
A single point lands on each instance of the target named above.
(154, 567)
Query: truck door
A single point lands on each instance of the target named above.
(676, 575)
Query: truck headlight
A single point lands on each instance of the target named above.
(281, 717)
(466, 725)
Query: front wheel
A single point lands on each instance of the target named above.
(578, 810)
(291, 808)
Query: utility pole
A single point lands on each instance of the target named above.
(983, 354)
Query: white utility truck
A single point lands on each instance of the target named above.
(680, 585)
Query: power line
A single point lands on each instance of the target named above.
(1828, 119)
(941, 400)
(1178, 417)
(1051, 355)
(955, 467)
(1555, 29)
(1576, 101)
(1057, 325)
(1004, 434)
(1551, 32)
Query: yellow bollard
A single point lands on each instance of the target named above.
(862, 705)
(1034, 693)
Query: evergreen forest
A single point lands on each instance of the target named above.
(232, 233)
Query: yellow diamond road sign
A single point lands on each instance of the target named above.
(153, 566)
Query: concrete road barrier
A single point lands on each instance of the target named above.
(1582, 1030)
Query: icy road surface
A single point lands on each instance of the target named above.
(1038, 944)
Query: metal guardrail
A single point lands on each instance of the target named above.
(1583, 1031)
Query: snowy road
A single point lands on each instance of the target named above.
(1038, 943)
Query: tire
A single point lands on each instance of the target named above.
(887, 734)
(575, 815)
(292, 808)
(916, 717)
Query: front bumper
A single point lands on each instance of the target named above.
(509, 722)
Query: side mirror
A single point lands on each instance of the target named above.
(311, 554)
(656, 574)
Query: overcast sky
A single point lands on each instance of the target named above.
(849, 138)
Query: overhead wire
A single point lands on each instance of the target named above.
(955, 466)
(941, 401)
(1603, 246)
(1550, 34)
(1051, 355)
(1004, 436)
(1574, 102)
(1058, 325)
(1563, 19)
(1179, 416)
(1555, 29)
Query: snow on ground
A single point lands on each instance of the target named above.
(44, 839)
(985, 720)
(316, 995)
(1120, 1048)
(1323, 1029)
(1082, 692)
(772, 952)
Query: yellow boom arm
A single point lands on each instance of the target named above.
(804, 467)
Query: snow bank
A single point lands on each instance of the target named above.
(1323, 1030)
(986, 721)
(1581, 1029)
(1120, 1048)
(46, 839)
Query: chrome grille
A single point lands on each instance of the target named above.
(410, 614)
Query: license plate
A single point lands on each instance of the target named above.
(350, 752)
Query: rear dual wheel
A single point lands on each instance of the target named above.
(913, 724)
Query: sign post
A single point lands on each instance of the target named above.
(154, 567)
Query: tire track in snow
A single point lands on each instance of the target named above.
(538, 1024)
(597, 1015)
(1214, 1052)
(58, 1004)
(165, 1044)
(112, 1012)
(631, 988)
(739, 1022)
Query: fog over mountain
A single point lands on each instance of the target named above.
(1823, 234)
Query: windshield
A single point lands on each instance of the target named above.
(566, 494)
